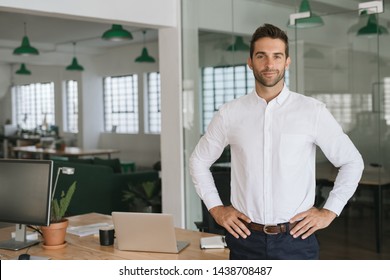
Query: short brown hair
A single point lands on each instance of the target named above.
(269, 31)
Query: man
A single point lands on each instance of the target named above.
(273, 133)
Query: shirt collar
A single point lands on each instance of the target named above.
(278, 99)
(282, 95)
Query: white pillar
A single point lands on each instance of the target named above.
(172, 165)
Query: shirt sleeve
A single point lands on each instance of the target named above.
(206, 152)
(342, 153)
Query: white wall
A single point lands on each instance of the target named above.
(172, 161)
(150, 12)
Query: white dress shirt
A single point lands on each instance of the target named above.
(273, 150)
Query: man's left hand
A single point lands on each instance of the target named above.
(310, 221)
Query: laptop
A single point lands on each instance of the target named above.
(149, 232)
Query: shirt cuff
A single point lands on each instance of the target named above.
(334, 204)
(212, 201)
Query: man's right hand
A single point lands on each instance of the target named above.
(229, 218)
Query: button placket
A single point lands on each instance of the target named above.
(268, 164)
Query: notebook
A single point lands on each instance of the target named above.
(150, 232)
(213, 242)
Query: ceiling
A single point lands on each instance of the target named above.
(50, 34)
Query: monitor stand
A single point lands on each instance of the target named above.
(19, 242)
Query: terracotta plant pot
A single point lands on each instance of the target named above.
(54, 234)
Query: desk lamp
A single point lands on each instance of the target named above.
(63, 170)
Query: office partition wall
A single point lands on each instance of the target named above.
(349, 72)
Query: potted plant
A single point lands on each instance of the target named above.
(59, 144)
(144, 198)
(54, 234)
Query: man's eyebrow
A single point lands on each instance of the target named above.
(265, 53)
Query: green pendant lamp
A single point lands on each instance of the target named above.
(372, 27)
(239, 45)
(312, 21)
(145, 57)
(362, 21)
(25, 48)
(74, 66)
(23, 70)
(117, 33)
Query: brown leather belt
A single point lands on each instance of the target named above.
(270, 229)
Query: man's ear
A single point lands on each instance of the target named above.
(288, 61)
(249, 62)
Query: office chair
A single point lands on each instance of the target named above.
(208, 224)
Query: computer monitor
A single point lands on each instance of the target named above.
(25, 197)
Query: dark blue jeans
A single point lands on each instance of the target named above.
(282, 246)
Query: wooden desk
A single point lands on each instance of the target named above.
(375, 179)
(88, 248)
(17, 141)
(68, 152)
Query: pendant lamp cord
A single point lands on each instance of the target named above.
(144, 32)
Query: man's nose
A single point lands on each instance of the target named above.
(269, 62)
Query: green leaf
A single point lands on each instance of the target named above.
(147, 193)
(59, 208)
(150, 189)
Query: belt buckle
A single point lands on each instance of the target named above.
(267, 232)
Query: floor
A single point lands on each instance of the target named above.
(352, 237)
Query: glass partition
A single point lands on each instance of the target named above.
(215, 50)
(349, 73)
(347, 68)
(342, 69)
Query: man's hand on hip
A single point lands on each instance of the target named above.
(229, 218)
(310, 221)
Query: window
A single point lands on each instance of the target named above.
(34, 105)
(153, 103)
(71, 103)
(345, 107)
(386, 99)
(121, 104)
(222, 84)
